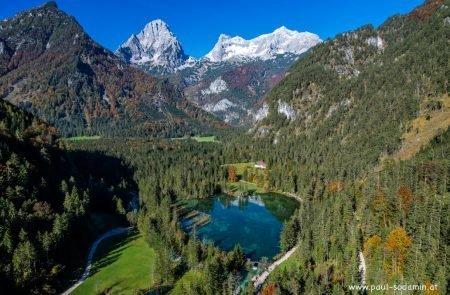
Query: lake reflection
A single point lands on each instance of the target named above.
(254, 222)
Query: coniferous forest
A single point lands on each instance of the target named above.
(357, 133)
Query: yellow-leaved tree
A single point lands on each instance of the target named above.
(396, 246)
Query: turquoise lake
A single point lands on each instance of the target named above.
(254, 222)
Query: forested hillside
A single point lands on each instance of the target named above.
(52, 68)
(47, 203)
(348, 103)
(397, 218)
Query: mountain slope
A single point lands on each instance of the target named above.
(50, 66)
(233, 91)
(358, 93)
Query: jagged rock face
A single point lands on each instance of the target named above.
(264, 47)
(154, 47)
(51, 67)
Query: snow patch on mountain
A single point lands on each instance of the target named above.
(189, 63)
(264, 47)
(217, 86)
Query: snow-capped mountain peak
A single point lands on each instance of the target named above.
(264, 47)
(155, 46)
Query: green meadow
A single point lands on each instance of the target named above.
(79, 138)
(122, 265)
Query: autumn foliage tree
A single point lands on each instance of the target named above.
(232, 173)
(405, 198)
(396, 246)
(268, 290)
(371, 246)
(335, 186)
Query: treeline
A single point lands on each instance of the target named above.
(47, 196)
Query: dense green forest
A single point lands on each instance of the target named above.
(337, 220)
(49, 203)
(397, 217)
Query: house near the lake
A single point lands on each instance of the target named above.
(260, 164)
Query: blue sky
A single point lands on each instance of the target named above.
(198, 24)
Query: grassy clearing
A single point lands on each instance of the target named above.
(122, 265)
(423, 130)
(192, 277)
(79, 138)
(244, 185)
(204, 138)
(198, 138)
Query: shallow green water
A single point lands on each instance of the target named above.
(254, 222)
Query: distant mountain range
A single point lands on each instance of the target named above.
(268, 46)
(232, 79)
(51, 67)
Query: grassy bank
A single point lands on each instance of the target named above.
(122, 265)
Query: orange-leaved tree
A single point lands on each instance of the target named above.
(232, 173)
(268, 290)
(397, 245)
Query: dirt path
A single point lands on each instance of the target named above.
(258, 280)
(87, 270)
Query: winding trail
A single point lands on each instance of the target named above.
(87, 270)
(258, 280)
